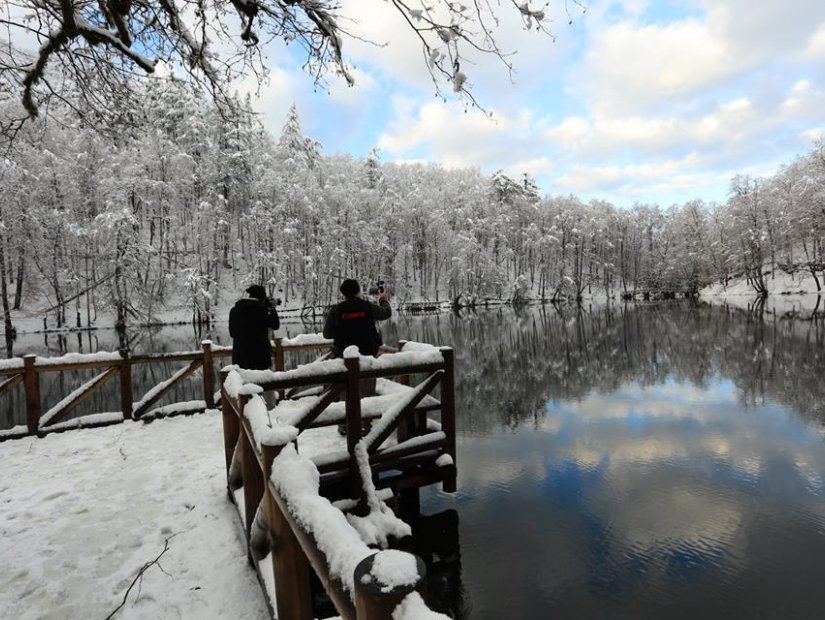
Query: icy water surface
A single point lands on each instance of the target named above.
(641, 461)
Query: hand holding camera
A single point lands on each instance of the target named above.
(380, 290)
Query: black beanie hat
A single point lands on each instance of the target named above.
(257, 291)
(350, 288)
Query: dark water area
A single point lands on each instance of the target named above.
(639, 461)
(635, 462)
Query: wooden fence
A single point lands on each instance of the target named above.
(26, 373)
(419, 456)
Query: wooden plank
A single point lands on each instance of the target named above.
(431, 441)
(157, 392)
(75, 366)
(409, 369)
(59, 411)
(12, 382)
(326, 399)
(303, 381)
(416, 395)
(185, 356)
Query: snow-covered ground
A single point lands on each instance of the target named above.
(81, 512)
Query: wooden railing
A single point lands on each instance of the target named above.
(26, 372)
(419, 455)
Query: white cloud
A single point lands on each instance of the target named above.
(815, 48)
(632, 67)
(457, 137)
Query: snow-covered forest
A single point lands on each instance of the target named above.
(181, 204)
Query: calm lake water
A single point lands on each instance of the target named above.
(641, 461)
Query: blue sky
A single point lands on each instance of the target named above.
(635, 101)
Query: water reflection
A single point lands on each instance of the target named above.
(651, 461)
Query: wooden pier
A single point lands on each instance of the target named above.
(407, 395)
(404, 450)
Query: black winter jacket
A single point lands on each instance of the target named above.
(353, 322)
(249, 323)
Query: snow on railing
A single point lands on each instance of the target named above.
(303, 340)
(297, 480)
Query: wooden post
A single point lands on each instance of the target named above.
(253, 478)
(448, 410)
(231, 425)
(353, 403)
(373, 599)
(32, 382)
(125, 384)
(278, 354)
(293, 596)
(353, 423)
(208, 375)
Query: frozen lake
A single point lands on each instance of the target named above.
(662, 461)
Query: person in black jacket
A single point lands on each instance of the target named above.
(250, 320)
(353, 320)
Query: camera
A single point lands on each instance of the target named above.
(270, 302)
(377, 289)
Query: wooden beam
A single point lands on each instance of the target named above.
(326, 399)
(160, 390)
(56, 414)
(416, 396)
(11, 382)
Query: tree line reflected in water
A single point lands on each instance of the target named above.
(509, 364)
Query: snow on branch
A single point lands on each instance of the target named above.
(97, 44)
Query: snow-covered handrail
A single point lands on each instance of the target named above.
(281, 490)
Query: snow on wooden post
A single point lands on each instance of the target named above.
(383, 579)
(208, 375)
(32, 382)
(290, 566)
(448, 410)
(125, 384)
